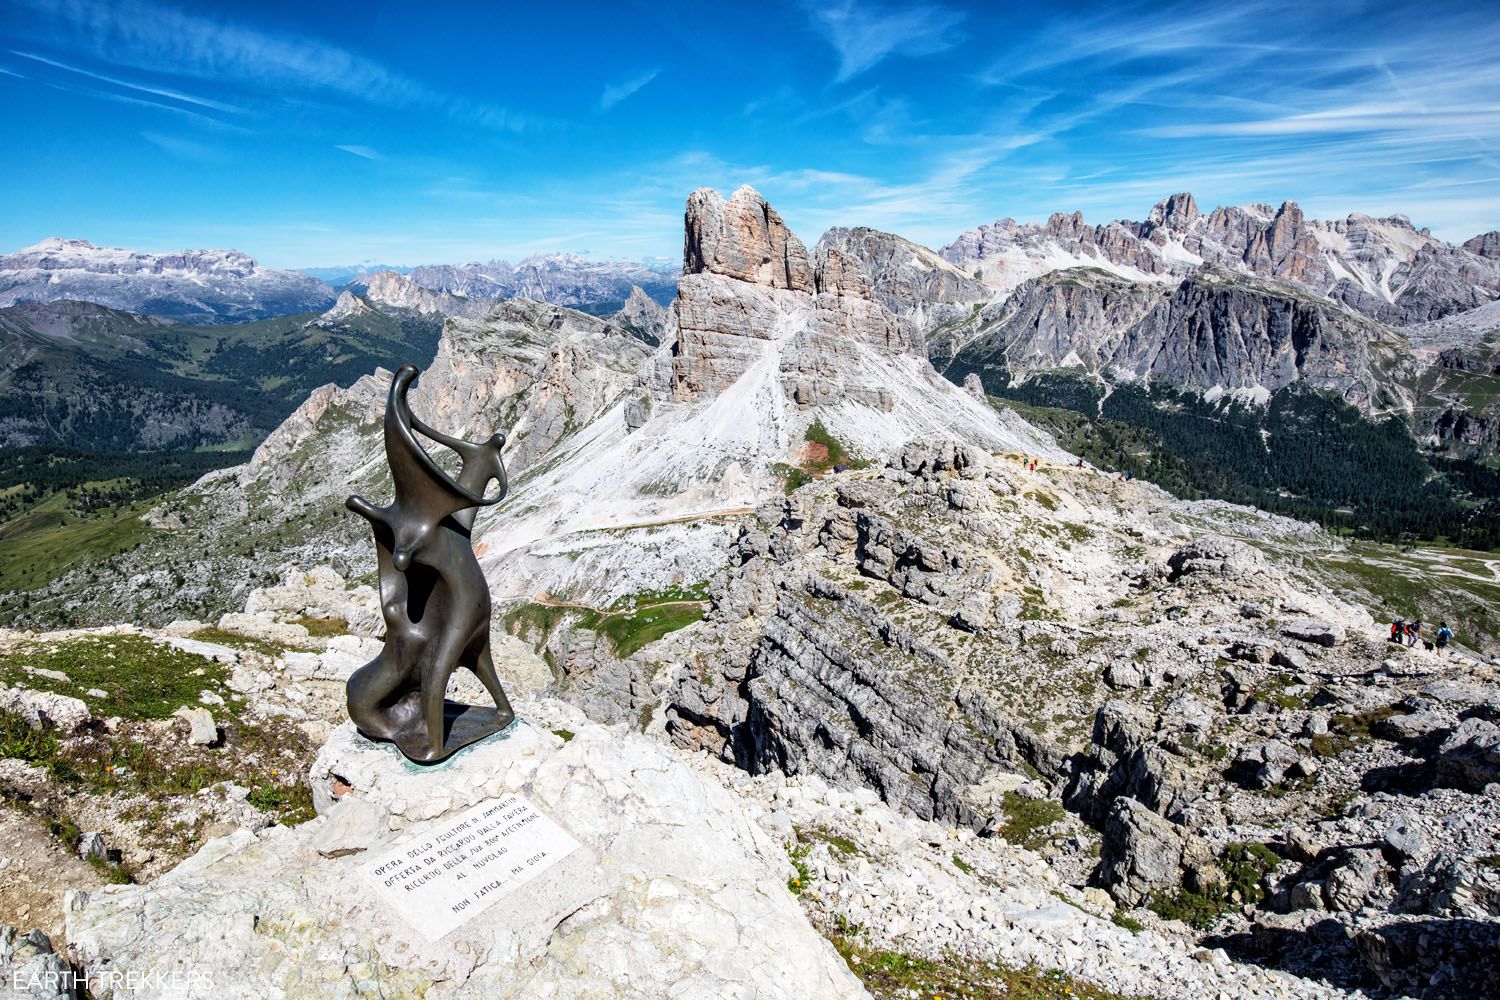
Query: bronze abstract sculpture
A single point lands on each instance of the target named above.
(433, 594)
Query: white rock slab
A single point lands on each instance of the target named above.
(674, 891)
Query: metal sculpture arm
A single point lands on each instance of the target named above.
(405, 421)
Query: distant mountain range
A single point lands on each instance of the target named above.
(563, 279)
(193, 286)
(342, 275)
(1384, 268)
(1239, 303)
(83, 375)
(227, 286)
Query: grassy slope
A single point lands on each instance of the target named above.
(630, 624)
(48, 539)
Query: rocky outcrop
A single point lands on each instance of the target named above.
(742, 238)
(1213, 332)
(32, 968)
(750, 294)
(394, 290)
(1424, 958)
(965, 637)
(912, 282)
(1485, 244)
(349, 306)
(1175, 212)
(44, 709)
(1144, 853)
(649, 903)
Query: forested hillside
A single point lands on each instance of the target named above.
(1302, 454)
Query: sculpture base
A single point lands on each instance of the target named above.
(463, 725)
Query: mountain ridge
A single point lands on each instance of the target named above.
(1384, 267)
(198, 286)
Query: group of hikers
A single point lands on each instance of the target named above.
(1029, 464)
(1410, 633)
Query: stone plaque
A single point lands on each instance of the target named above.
(448, 874)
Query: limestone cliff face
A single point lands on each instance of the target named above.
(742, 238)
(751, 296)
(399, 291)
(910, 280)
(1485, 244)
(1212, 330)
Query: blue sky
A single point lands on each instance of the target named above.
(309, 134)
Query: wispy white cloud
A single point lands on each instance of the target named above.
(187, 149)
(11, 72)
(614, 93)
(1367, 118)
(1121, 34)
(119, 98)
(863, 34)
(143, 88)
(364, 152)
(144, 35)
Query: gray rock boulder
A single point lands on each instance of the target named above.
(1317, 631)
(91, 846)
(202, 731)
(1215, 556)
(1354, 882)
(1124, 674)
(1144, 853)
(31, 969)
(1469, 758)
(1267, 763)
(1429, 958)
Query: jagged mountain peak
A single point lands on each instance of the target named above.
(742, 238)
(642, 316)
(348, 306)
(1176, 211)
(1485, 244)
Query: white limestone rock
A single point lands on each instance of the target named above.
(263, 626)
(202, 731)
(677, 891)
(44, 708)
(208, 650)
